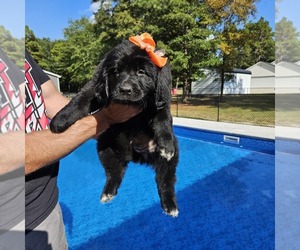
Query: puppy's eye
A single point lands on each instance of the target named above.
(141, 72)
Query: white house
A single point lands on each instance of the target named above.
(238, 83)
(208, 85)
(287, 78)
(262, 78)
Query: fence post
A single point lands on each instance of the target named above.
(176, 105)
(218, 118)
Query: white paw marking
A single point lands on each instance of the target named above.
(151, 146)
(166, 155)
(173, 213)
(106, 198)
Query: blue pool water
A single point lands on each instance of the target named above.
(225, 193)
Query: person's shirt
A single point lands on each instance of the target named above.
(11, 119)
(11, 105)
(41, 192)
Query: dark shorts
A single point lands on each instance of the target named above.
(49, 235)
(14, 238)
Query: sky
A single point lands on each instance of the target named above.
(12, 17)
(290, 10)
(266, 9)
(48, 18)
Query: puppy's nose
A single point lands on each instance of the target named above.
(126, 89)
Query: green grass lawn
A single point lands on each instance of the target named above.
(290, 118)
(244, 109)
(288, 110)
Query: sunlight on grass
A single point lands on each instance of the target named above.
(244, 109)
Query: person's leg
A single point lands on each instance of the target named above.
(50, 234)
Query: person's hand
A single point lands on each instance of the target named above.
(114, 113)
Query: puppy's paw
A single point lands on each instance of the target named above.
(58, 124)
(167, 155)
(106, 198)
(170, 207)
(167, 151)
(58, 128)
(174, 213)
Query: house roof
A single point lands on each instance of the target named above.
(241, 71)
(52, 74)
(262, 69)
(287, 69)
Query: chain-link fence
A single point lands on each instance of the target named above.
(251, 108)
(288, 109)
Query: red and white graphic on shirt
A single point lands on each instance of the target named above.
(35, 110)
(11, 106)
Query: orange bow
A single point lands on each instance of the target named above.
(146, 42)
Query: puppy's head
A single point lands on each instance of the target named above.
(127, 75)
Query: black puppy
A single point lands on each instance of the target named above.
(128, 75)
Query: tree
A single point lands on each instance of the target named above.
(38, 48)
(14, 48)
(45, 50)
(32, 44)
(287, 41)
(60, 55)
(81, 51)
(229, 15)
(196, 35)
(257, 44)
(188, 37)
(179, 27)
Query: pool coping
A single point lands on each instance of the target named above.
(228, 128)
(283, 132)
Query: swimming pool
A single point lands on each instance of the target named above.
(225, 193)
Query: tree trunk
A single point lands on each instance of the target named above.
(186, 91)
(222, 82)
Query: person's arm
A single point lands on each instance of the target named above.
(12, 151)
(44, 147)
(12, 147)
(54, 100)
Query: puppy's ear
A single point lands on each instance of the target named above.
(163, 87)
(100, 82)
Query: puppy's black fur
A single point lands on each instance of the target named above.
(127, 75)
